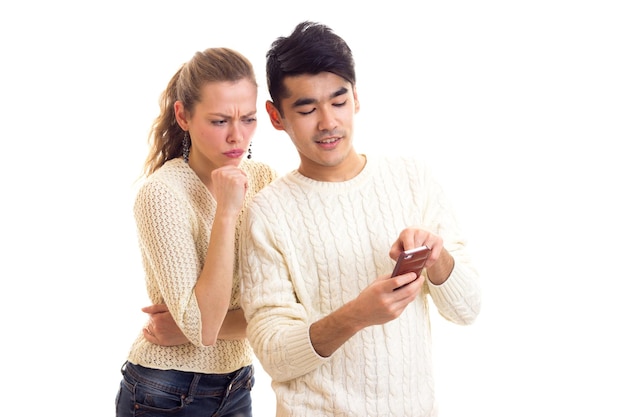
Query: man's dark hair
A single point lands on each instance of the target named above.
(310, 49)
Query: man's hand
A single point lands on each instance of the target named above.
(381, 302)
(439, 264)
(161, 328)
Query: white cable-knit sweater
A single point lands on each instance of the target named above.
(174, 213)
(312, 246)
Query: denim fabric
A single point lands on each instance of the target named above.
(154, 393)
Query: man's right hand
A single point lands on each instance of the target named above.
(380, 302)
(161, 328)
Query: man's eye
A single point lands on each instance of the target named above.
(307, 112)
(340, 104)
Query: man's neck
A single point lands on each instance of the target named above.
(347, 170)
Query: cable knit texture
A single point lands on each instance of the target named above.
(174, 212)
(313, 246)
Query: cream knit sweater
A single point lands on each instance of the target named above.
(312, 246)
(174, 212)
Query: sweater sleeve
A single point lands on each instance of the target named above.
(278, 325)
(169, 253)
(458, 299)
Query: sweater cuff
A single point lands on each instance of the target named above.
(301, 356)
(455, 286)
(458, 299)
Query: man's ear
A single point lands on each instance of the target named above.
(357, 104)
(274, 115)
(181, 115)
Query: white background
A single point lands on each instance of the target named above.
(518, 105)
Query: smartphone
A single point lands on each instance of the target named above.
(411, 260)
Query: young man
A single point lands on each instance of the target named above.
(333, 330)
(338, 336)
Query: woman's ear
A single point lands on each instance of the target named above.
(274, 115)
(181, 115)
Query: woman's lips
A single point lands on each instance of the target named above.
(235, 153)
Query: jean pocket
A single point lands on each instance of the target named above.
(153, 400)
(246, 379)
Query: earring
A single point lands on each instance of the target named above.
(186, 147)
(250, 151)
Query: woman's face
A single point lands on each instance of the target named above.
(222, 124)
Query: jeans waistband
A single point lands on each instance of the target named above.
(189, 383)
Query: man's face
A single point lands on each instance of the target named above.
(318, 116)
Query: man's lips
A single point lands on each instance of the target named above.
(328, 143)
(328, 140)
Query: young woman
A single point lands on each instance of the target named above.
(188, 213)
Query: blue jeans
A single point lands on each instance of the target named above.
(152, 393)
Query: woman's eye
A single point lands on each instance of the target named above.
(250, 120)
(218, 122)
